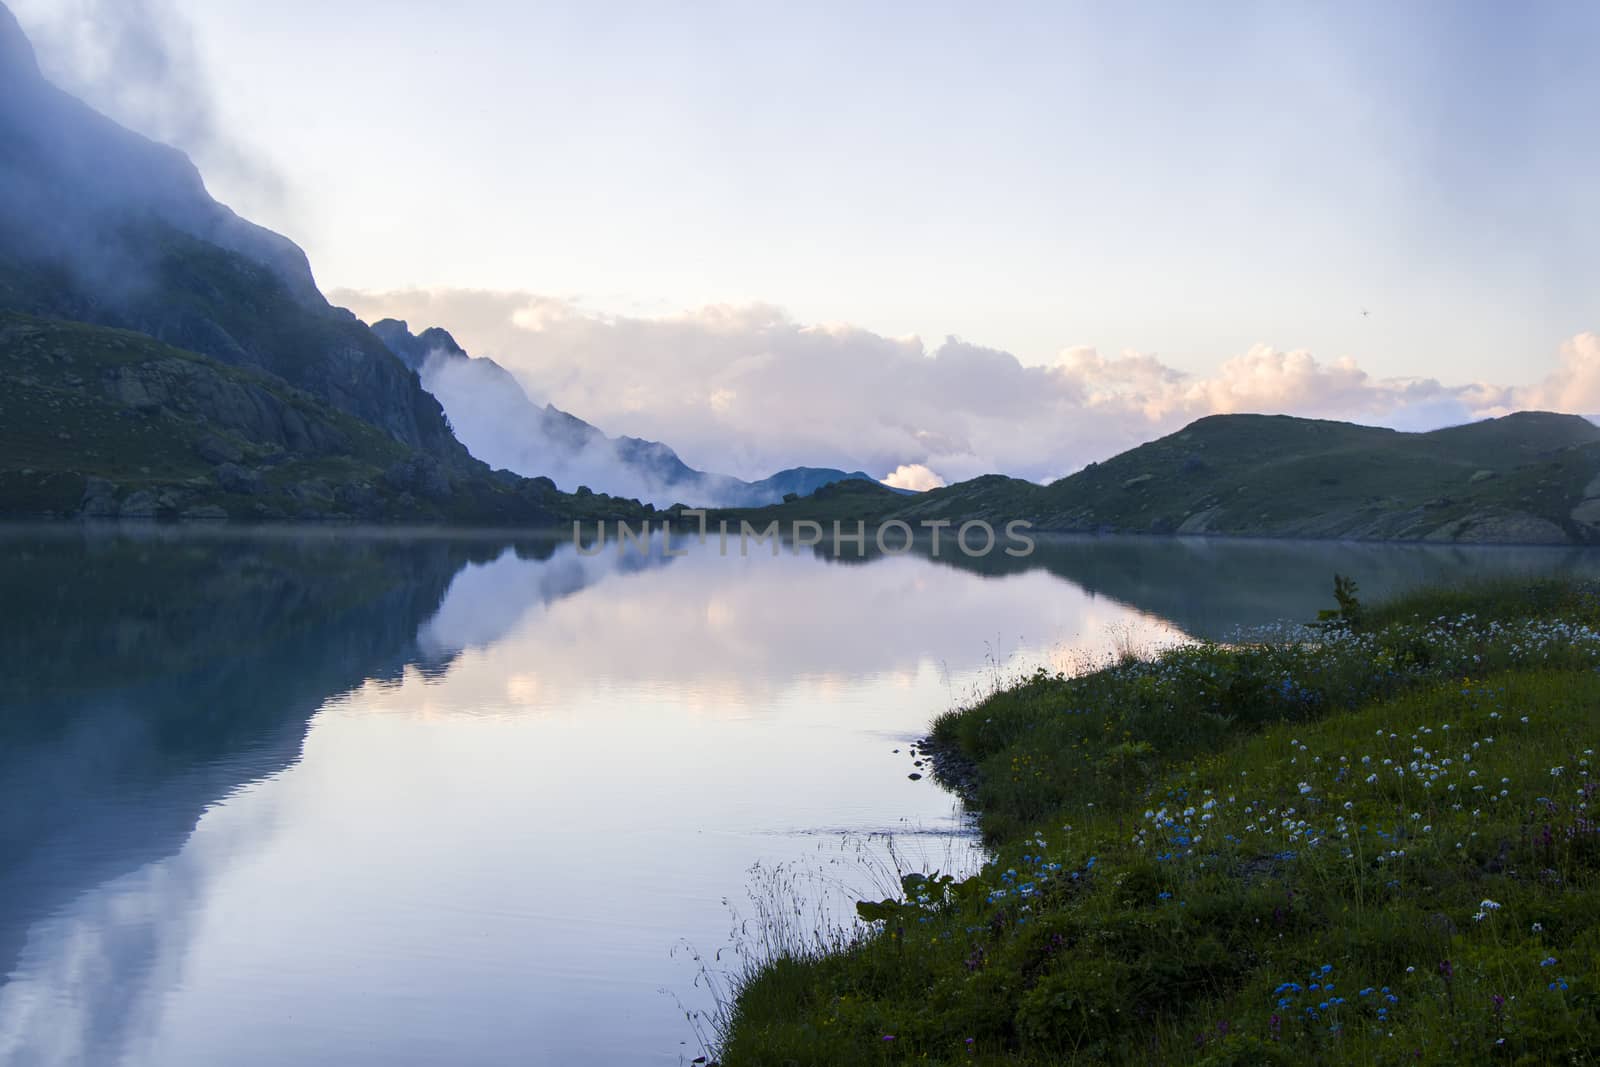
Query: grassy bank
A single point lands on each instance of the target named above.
(1370, 844)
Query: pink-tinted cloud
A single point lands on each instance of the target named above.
(746, 390)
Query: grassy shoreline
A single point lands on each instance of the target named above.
(1371, 843)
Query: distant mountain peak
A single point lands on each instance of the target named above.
(414, 349)
(441, 341)
(496, 419)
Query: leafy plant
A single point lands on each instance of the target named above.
(1350, 612)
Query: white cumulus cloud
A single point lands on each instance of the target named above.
(913, 476)
(746, 390)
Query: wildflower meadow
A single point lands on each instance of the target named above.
(1369, 841)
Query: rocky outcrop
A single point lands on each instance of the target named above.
(1515, 528)
(227, 402)
(1586, 513)
(99, 500)
(1199, 522)
(414, 349)
(421, 476)
(232, 478)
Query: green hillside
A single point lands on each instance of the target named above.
(101, 423)
(1517, 478)
(1531, 478)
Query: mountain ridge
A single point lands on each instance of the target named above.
(499, 422)
(99, 224)
(104, 423)
(163, 357)
(1523, 478)
(90, 152)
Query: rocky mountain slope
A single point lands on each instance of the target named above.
(103, 423)
(160, 356)
(101, 225)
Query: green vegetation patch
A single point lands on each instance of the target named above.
(1333, 846)
(99, 422)
(1526, 478)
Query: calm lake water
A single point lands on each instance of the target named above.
(334, 798)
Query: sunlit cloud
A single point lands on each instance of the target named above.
(748, 390)
(914, 476)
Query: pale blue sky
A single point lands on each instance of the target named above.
(1183, 179)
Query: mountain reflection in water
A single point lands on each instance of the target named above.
(438, 796)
